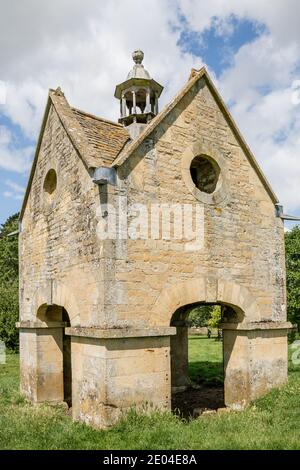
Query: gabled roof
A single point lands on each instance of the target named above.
(194, 77)
(100, 142)
(97, 141)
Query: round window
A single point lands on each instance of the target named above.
(205, 174)
(50, 182)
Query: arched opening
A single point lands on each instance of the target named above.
(50, 182)
(129, 102)
(140, 101)
(205, 173)
(59, 386)
(197, 362)
(137, 103)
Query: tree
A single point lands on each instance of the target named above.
(292, 247)
(9, 305)
(215, 317)
(199, 316)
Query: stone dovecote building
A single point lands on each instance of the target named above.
(102, 318)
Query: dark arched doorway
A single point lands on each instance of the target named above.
(197, 359)
(58, 385)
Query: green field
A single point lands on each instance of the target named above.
(272, 422)
(205, 360)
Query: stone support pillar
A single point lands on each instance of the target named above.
(116, 370)
(180, 358)
(255, 360)
(41, 361)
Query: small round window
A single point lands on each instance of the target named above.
(50, 182)
(205, 174)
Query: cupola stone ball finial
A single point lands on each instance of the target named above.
(138, 56)
(138, 96)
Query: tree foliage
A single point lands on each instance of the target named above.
(215, 317)
(199, 316)
(292, 247)
(9, 305)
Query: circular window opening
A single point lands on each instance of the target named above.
(50, 182)
(205, 174)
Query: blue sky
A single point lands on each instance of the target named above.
(251, 49)
(13, 183)
(217, 49)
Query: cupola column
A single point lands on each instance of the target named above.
(133, 102)
(123, 106)
(148, 104)
(156, 104)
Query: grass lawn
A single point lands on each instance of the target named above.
(205, 360)
(272, 422)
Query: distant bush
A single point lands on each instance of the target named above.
(9, 303)
(292, 250)
(9, 313)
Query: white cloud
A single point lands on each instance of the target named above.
(85, 50)
(261, 85)
(2, 92)
(281, 17)
(11, 158)
(85, 47)
(12, 195)
(15, 186)
(15, 191)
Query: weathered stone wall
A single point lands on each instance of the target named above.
(117, 282)
(60, 257)
(243, 238)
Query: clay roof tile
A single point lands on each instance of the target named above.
(106, 138)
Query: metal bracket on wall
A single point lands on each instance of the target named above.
(279, 213)
(105, 175)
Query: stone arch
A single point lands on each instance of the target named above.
(56, 293)
(204, 290)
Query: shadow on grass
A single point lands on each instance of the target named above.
(206, 391)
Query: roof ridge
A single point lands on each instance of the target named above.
(72, 127)
(98, 118)
(71, 123)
